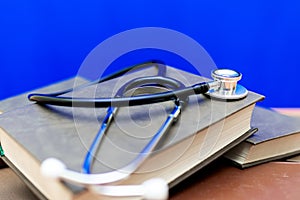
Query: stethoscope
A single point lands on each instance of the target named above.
(160, 88)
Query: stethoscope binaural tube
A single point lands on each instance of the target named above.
(154, 188)
(200, 88)
(154, 84)
(217, 88)
(224, 86)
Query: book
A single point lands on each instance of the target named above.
(206, 129)
(278, 137)
(220, 180)
(21, 100)
(291, 112)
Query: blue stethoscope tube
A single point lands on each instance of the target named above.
(160, 80)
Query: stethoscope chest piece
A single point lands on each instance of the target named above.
(228, 88)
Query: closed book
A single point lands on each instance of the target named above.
(205, 130)
(21, 100)
(278, 137)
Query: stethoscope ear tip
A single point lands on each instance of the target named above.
(155, 189)
(52, 168)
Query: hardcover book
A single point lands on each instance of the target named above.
(206, 129)
(278, 137)
(21, 100)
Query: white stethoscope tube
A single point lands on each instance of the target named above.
(154, 189)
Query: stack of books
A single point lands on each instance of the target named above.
(206, 130)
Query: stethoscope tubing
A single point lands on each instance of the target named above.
(182, 93)
(163, 83)
(200, 88)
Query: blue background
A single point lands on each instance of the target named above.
(45, 41)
